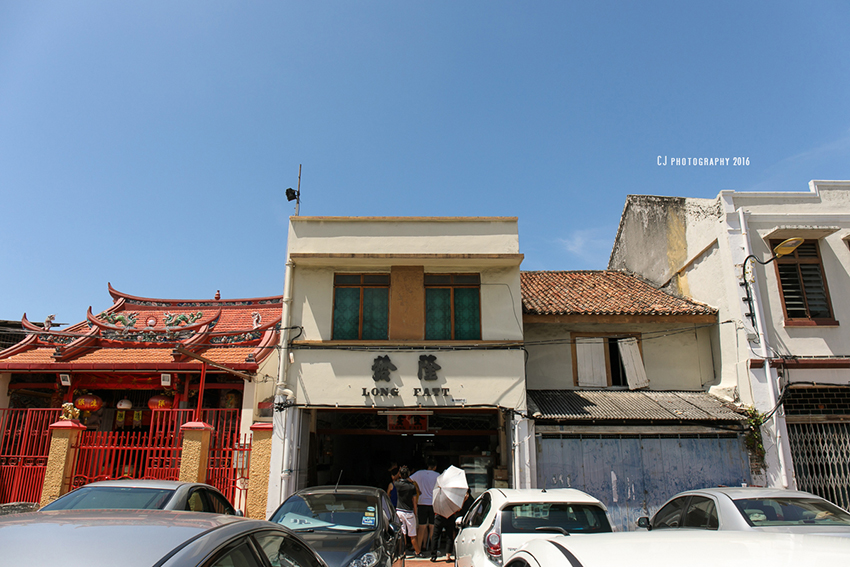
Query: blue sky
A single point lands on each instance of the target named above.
(149, 144)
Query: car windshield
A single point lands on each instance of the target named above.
(329, 511)
(539, 516)
(761, 512)
(112, 498)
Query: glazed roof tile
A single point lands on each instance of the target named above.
(583, 405)
(602, 292)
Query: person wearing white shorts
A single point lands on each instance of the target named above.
(408, 497)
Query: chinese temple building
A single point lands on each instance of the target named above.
(142, 354)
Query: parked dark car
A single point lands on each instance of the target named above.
(145, 495)
(144, 538)
(349, 526)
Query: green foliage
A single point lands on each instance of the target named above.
(753, 438)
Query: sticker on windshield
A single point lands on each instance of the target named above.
(368, 514)
(370, 508)
(368, 521)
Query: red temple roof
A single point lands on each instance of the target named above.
(141, 333)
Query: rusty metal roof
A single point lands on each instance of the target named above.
(584, 405)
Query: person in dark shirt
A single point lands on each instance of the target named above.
(394, 476)
(408, 498)
(445, 528)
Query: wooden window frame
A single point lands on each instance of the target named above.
(452, 286)
(362, 285)
(794, 259)
(574, 336)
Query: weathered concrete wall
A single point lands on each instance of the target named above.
(5, 379)
(675, 356)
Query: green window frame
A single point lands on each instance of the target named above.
(361, 307)
(452, 307)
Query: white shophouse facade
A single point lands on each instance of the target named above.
(403, 341)
(784, 336)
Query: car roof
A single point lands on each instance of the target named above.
(740, 492)
(518, 495)
(125, 537)
(138, 483)
(346, 489)
(695, 548)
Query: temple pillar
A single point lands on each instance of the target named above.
(61, 459)
(196, 451)
(258, 474)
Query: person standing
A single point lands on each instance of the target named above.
(445, 528)
(408, 499)
(394, 476)
(425, 479)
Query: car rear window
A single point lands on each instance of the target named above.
(329, 511)
(113, 498)
(791, 512)
(537, 516)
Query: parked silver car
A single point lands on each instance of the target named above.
(147, 495)
(751, 509)
(146, 538)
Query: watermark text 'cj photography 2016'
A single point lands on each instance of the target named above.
(703, 161)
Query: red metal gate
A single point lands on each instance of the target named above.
(229, 455)
(24, 447)
(154, 454)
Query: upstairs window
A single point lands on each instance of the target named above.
(361, 307)
(602, 361)
(802, 284)
(452, 307)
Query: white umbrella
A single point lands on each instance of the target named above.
(449, 491)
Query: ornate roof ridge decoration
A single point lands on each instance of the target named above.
(195, 344)
(128, 319)
(240, 336)
(160, 302)
(269, 340)
(77, 346)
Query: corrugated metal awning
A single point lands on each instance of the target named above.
(585, 405)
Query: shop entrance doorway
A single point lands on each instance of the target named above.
(365, 455)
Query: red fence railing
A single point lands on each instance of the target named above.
(24, 447)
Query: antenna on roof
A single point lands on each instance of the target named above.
(337, 481)
(293, 195)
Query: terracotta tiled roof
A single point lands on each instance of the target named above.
(142, 333)
(600, 293)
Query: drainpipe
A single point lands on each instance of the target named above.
(763, 350)
(283, 422)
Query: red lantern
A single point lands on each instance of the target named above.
(88, 402)
(160, 401)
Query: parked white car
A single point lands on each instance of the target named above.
(501, 520)
(751, 509)
(674, 548)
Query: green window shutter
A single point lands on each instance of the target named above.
(467, 314)
(376, 308)
(438, 314)
(346, 314)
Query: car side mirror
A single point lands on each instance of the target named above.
(392, 529)
(238, 512)
(643, 522)
(459, 523)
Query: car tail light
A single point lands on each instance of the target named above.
(493, 546)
